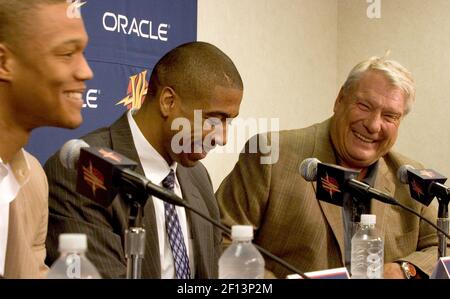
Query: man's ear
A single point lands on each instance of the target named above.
(166, 101)
(5, 63)
(339, 99)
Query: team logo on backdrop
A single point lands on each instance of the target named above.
(137, 89)
(93, 178)
(131, 26)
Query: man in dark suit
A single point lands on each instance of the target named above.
(195, 87)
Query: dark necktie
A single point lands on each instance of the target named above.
(175, 234)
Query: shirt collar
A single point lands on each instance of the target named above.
(20, 167)
(154, 165)
(371, 174)
(3, 170)
(13, 176)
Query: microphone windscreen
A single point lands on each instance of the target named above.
(402, 173)
(70, 153)
(308, 169)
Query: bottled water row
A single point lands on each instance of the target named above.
(240, 260)
(243, 260)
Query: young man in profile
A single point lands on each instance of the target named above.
(42, 74)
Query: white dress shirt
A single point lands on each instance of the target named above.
(156, 169)
(12, 176)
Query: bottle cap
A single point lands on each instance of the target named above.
(242, 232)
(368, 219)
(72, 242)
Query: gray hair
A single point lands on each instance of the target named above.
(393, 71)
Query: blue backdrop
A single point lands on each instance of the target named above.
(126, 39)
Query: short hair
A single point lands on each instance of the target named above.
(194, 69)
(393, 71)
(14, 15)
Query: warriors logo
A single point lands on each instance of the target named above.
(427, 173)
(137, 89)
(330, 185)
(93, 178)
(416, 187)
(110, 155)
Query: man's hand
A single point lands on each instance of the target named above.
(393, 271)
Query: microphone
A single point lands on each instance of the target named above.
(113, 170)
(102, 172)
(99, 170)
(424, 184)
(70, 153)
(309, 169)
(333, 181)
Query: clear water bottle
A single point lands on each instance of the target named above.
(72, 262)
(367, 259)
(241, 259)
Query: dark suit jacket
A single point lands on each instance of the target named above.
(105, 228)
(291, 223)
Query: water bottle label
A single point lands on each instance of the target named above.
(367, 259)
(374, 262)
(73, 263)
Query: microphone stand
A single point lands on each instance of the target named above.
(442, 223)
(134, 243)
(136, 194)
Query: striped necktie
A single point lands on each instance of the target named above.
(175, 234)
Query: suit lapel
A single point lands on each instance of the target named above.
(122, 142)
(323, 150)
(383, 182)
